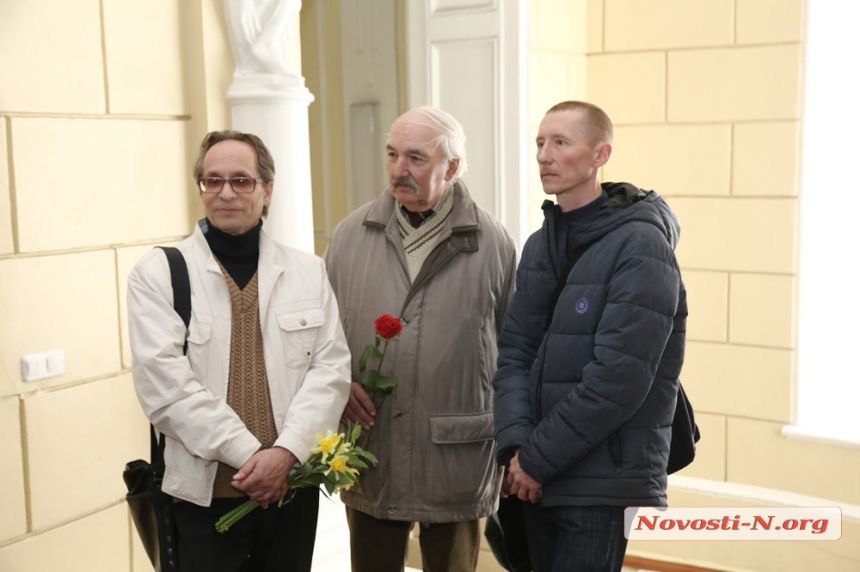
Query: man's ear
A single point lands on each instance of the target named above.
(267, 190)
(453, 165)
(601, 154)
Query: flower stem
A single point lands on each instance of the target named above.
(229, 519)
(382, 359)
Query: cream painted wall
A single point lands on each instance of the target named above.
(103, 104)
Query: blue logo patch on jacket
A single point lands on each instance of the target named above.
(581, 306)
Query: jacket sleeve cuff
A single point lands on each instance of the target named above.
(509, 440)
(239, 452)
(294, 446)
(504, 457)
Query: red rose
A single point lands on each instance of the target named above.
(387, 326)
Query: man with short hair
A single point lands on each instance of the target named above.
(424, 251)
(266, 369)
(585, 391)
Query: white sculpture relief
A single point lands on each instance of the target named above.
(259, 33)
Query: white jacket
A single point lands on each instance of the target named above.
(307, 360)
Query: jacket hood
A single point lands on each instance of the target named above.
(626, 203)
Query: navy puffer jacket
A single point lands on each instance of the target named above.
(589, 398)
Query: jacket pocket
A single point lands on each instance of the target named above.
(459, 471)
(199, 336)
(199, 332)
(299, 332)
(452, 429)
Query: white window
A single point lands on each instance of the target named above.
(828, 399)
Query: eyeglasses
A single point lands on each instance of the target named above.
(240, 185)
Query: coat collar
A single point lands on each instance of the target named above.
(268, 268)
(464, 214)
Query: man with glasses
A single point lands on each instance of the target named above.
(266, 370)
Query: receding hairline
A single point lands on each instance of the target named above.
(417, 120)
(449, 137)
(596, 121)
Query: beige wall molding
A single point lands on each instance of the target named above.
(758, 495)
(652, 565)
(803, 433)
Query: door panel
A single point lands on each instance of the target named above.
(472, 63)
(468, 58)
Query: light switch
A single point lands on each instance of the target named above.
(42, 365)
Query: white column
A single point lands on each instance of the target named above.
(279, 116)
(270, 101)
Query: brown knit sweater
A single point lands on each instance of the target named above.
(248, 384)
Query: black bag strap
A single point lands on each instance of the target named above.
(182, 304)
(181, 284)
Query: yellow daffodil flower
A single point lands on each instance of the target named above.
(326, 444)
(334, 466)
(338, 464)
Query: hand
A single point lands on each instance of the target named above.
(506, 486)
(522, 485)
(264, 476)
(359, 408)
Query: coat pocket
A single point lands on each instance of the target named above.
(299, 332)
(469, 428)
(199, 336)
(199, 332)
(459, 469)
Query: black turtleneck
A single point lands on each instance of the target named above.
(238, 253)
(564, 220)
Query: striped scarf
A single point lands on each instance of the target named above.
(420, 242)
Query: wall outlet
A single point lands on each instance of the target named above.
(42, 365)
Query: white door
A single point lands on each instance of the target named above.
(468, 58)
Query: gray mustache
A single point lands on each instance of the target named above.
(406, 182)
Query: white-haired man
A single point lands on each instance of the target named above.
(424, 251)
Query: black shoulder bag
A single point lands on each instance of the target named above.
(685, 434)
(151, 508)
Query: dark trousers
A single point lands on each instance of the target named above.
(381, 545)
(272, 539)
(576, 538)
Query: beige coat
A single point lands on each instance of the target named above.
(185, 398)
(434, 439)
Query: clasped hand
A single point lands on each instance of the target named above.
(519, 483)
(264, 476)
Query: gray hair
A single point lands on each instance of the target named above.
(451, 138)
(265, 161)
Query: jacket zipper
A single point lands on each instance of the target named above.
(550, 245)
(539, 389)
(616, 451)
